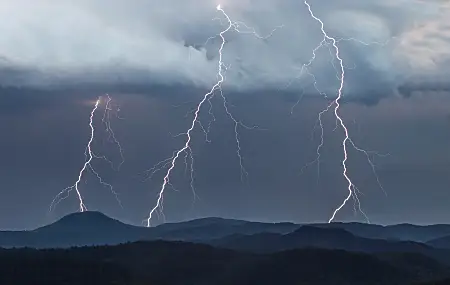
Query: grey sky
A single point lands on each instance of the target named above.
(43, 144)
(58, 56)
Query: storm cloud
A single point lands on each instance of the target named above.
(48, 43)
(57, 57)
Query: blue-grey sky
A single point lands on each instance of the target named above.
(146, 40)
(57, 57)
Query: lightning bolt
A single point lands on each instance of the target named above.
(335, 106)
(90, 156)
(111, 135)
(186, 149)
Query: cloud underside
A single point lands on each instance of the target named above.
(400, 45)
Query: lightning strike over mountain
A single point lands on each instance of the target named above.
(352, 189)
(90, 156)
(171, 162)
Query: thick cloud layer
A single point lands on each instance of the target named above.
(49, 42)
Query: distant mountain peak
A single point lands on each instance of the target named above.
(87, 215)
(85, 221)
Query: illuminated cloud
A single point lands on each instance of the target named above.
(147, 41)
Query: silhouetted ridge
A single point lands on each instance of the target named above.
(443, 242)
(206, 229)
(200, 223)
(78, 229)
(393, 232)
(305, 236)
(326, 238)
(95, 228)
(84, 220)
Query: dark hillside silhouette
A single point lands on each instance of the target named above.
(168, 263)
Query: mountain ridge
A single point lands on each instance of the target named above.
(95, 228)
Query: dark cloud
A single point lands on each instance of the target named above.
(123, 45)
(409, 88)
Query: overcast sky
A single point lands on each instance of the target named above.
(151, 57)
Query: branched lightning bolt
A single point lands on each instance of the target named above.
(111, 135)
(237, 124)
(353, 191)
(171, 162)
(89, 156)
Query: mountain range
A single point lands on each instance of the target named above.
(92, 248)
(95, 228)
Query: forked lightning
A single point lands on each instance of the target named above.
(352, 189)
(171, 162)
(90, 155)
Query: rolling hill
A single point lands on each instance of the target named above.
(95, 228)
(395, 232)
(88, 228)
(443, 242)
(311, 236)
(326, 238)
